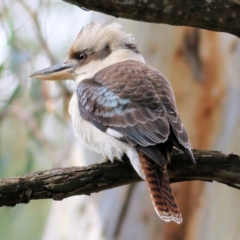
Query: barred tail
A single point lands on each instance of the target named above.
(160, 190)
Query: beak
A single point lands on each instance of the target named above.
(57, 72)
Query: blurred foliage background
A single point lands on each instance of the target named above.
(34, 122)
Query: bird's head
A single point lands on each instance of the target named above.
(98, 45)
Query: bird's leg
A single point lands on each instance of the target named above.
(124, 159)
(106, 159)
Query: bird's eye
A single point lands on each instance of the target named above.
(82, 56)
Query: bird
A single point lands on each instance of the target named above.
(122, 106)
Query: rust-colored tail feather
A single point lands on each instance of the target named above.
(160, 190)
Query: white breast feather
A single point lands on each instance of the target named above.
(99, 141)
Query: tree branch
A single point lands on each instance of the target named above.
(221, 15)
(61, 183)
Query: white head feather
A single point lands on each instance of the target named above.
(95, 37)
(104, 44)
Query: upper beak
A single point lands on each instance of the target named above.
(57, 72)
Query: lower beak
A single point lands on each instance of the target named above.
(57, 72)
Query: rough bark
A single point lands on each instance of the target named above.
(221, 15)
(65, 182)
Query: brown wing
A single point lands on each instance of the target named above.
(134, 103)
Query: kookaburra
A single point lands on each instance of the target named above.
(123, 106)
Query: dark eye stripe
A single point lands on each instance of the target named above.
(76, 55)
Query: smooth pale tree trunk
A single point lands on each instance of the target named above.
(203, 68)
